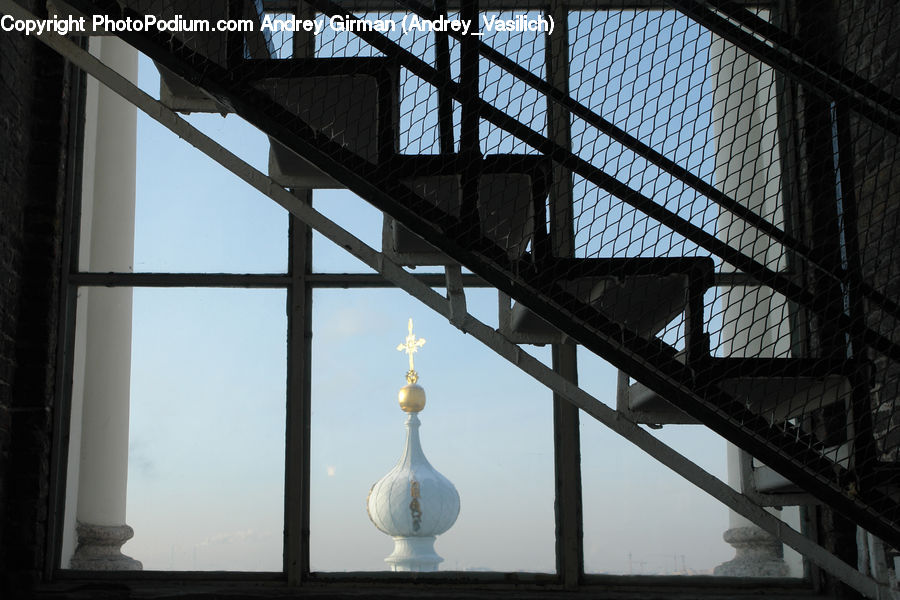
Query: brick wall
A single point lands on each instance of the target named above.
(872, 48)
(33, 127)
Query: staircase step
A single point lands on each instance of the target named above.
(778, 389)
(642, 294)
(768, 481)
(175, 92)
(774, 489)
(509, 185)
(644, 304)
(353, 101)
(780, 399)
(181, 95)
(642, 405)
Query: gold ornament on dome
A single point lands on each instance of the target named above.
(411, 346)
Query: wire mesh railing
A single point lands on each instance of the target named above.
(702, 194)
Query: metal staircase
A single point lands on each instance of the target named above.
(811, 413)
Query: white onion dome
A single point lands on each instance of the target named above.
(413, 503)
(413, 499)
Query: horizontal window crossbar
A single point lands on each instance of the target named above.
(258, 280)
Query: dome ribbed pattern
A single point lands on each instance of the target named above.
(413, 499)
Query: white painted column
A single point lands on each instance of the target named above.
(755, 319)
(98, 460)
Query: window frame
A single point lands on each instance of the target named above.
(299, 281)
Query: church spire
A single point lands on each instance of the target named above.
(413, 503)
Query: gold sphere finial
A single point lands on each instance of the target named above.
(411, 345)
(411, 398)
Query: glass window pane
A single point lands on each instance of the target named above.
(641, 518)
(192, 215)
(486, 427)
(205, 436)
(356, 216)
(206, 466)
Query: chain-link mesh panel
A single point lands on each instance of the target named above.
(703, 195)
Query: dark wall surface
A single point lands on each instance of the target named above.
(33, 139)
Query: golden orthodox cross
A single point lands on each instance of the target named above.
(411, 346)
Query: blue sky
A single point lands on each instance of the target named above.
(206, 463)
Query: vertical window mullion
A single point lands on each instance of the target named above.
(296, 497)
(566, 440)
(296, 552)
